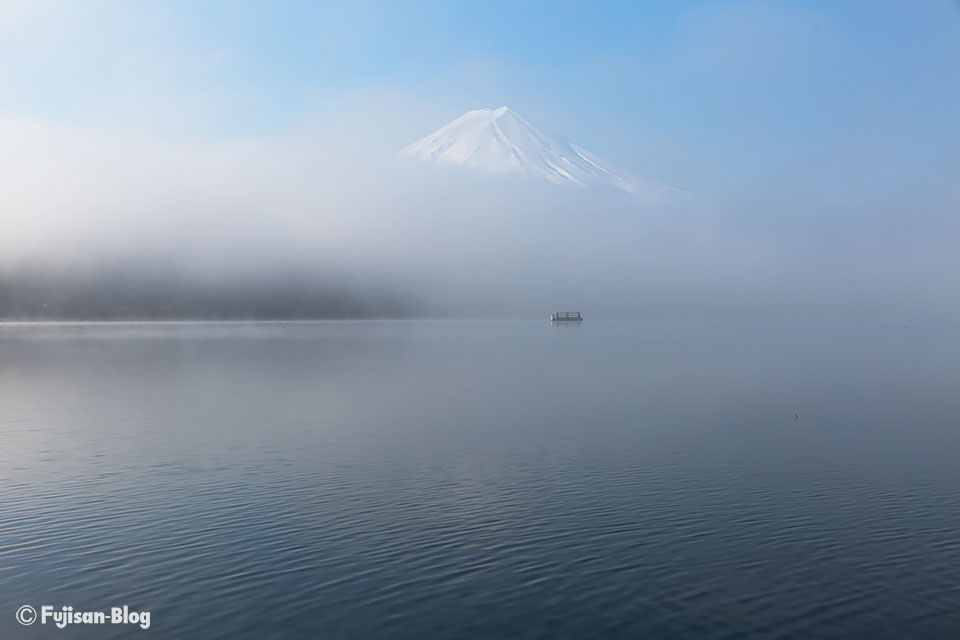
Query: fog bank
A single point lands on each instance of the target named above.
(101, 224)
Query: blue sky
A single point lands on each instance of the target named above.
(715, 96)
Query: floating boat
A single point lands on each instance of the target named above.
(566, 316)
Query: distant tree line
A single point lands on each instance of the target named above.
(126, 296)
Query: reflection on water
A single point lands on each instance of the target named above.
(476, 480)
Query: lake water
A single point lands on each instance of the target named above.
(621, 479)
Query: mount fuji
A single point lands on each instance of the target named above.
(503, 141)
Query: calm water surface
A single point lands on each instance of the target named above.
(484, 479)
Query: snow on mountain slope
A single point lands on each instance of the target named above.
(501, 140)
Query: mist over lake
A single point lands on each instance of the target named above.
(365, 319)
(480, 479)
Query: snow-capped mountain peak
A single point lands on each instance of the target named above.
(502, 140)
